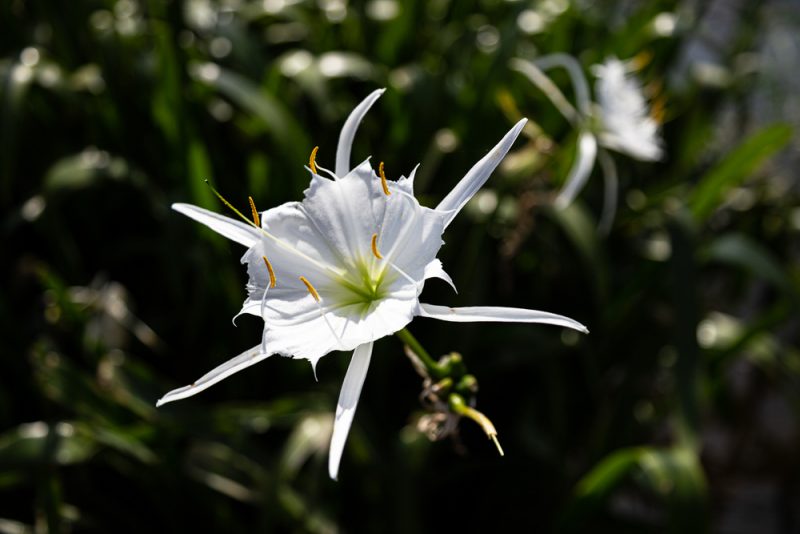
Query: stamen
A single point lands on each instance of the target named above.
(310, 288)
(313, 159)
(263, 317)
(375, 247)
(314, 294)
(228, 204)
(384, 184)
(256, 219)
(268, 235)
(271, 272)
(402, 272)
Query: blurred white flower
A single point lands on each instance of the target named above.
(625, 121)
(345, 267)
(620, 120)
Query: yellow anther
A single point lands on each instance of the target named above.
(312, 160)
(255, 211)
(384, 184)
(642, 59)
(375, 247)
(310, 288)
(270, 271)
(228, 204)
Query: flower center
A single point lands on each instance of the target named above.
(364, 285)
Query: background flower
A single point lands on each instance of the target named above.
(620, 121)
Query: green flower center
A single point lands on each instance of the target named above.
(364, 285)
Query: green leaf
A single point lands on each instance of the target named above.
(61, 443)
(608, 474)
(674, 474)
(280, 124)
(741, 251)
(581, 230)
(737, 167)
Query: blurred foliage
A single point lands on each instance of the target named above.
(678, 413)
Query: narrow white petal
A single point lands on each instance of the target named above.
(435, 270)
(477, 175)
(580, 171)
(234, 365)
(610, 191)
(346, 407)
(499, 315)
(234, 230)
(546, 85)
(349, 132)
(576, 76)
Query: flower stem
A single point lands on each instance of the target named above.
(459, 406)
(433, 367)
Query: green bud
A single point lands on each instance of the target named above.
(468, 385)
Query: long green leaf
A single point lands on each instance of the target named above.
(736, 168)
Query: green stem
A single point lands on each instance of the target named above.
(459, 406)
(433, 367)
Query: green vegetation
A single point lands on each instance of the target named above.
(678, 413)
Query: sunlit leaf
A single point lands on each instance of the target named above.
(736, 167)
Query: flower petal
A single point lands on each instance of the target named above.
(580, 171)
(435, 270)
(346, 407)
(611, 187)
(530, 70)
(234, 230)
(576, 76)
(497, 314)
(349, 132)
(234, 365)
(627, 126)
(477, 175)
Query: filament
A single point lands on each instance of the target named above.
(277, 240)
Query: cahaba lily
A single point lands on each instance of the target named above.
(620, 121)
(345, 267)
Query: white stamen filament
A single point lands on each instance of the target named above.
(277, 240)
(317, 299)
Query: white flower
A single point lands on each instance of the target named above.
(620, 121)
(625, 119)
(346, 266)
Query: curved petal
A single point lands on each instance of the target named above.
(578, 79)
(546, 85)
(611, 187)
(234, 365)
(497, 314)
(477, 175)
(234, 230)
(580, 171)
(349, 132)
(435, 270)
(346, 407)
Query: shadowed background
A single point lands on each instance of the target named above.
(678, 413)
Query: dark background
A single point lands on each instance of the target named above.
(679, 413)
